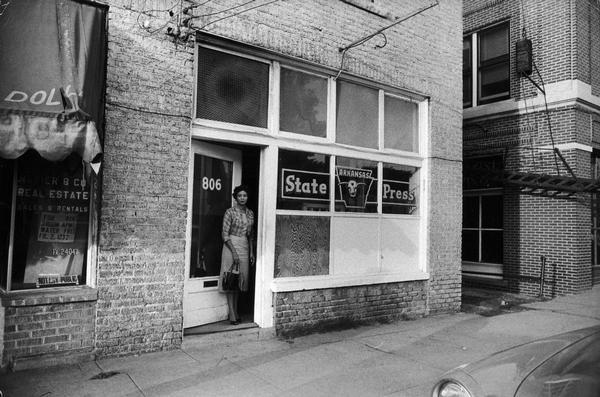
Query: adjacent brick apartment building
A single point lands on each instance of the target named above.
(531, 131)
(341, 116)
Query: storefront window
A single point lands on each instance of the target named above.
(303, 182)
(6, 181)
(357, 115)
(302, 241)
(340, 210)
(231, 88)
(355, 185)
(302, 245)
(401, 124)
(400, 189)
(303, 103)
(51, 223)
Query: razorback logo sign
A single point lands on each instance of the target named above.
(354, 185)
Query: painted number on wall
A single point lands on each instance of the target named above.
(211, 183)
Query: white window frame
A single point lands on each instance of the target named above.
(272, 139)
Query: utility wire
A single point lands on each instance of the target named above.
(137, 109)
(237, 13)
(548, 117)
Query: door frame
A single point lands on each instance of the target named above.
(211, 150)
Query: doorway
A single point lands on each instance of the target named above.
(215, 169)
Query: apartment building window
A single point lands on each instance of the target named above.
(483, 233)
(486, 66)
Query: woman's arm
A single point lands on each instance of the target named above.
(227, 219)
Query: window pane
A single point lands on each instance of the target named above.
(51, 222)
(491, 246)
(357, 115)
(470, 245)
(303, 103)
(6, 183)
(493, 43)
(208, 207)
(232, 89)
(471, 212)
(401, 124)
(301, 245)
(303, 182)
(400, 189)
(467, 89)
(355, 185)
(467, 72)
(494, 81)
(491, 212)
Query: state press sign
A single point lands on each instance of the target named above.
(304, 185)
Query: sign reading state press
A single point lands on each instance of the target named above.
(354, 186)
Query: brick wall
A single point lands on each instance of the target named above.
(144, 199)
(301, 312)
(48, 328)
(563, 39)
(534, 226)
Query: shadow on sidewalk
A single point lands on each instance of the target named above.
(492, 303)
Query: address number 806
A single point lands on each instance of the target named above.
(211, 183)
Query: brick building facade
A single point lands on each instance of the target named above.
(526, 232)
(174, 139)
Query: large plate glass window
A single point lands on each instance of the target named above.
(50, 228)
(303, 103)
(302, 238)
(231, 88)
(357, 115)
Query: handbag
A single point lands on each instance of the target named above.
(231, 279)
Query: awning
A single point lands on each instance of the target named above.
(52, 75)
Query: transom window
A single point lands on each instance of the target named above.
(234, 89)
(486, 66)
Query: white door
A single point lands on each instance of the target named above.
(214, 172)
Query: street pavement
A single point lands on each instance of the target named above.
(398, 359)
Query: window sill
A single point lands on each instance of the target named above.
(48, 296)
(321, 282)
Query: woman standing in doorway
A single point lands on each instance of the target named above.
(238, 250)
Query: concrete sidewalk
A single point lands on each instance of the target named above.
(399, 359)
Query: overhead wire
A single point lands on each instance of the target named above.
(368, 37)
(543, 90)
(237, 13)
